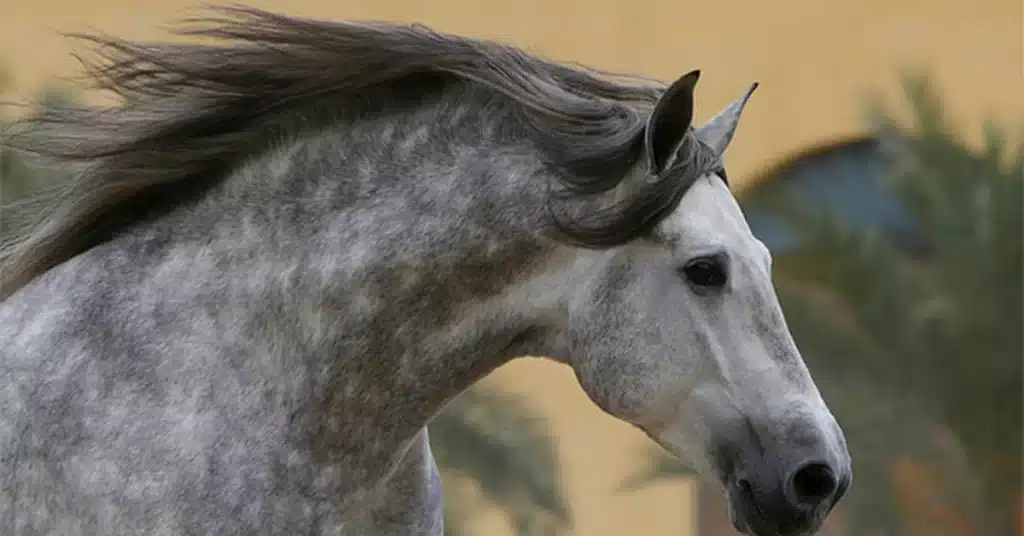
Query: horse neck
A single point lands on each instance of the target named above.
(403, 256)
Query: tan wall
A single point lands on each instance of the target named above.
(815, 61)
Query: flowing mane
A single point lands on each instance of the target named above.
(189, 113)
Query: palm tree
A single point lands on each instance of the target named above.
(21, 176)
(909, 344)
(491, 440)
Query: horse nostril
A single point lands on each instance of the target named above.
(811, 485)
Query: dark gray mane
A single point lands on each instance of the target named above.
(192, 112)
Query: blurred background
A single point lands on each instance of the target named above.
(881, 160)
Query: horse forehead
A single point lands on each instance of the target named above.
(708, 214)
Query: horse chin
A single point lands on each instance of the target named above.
(743, 513)
(748, 519)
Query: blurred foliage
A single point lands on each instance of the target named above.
(488, 440)
(918, 353)
(492, 440)
(26, 185)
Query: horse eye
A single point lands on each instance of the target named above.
(705, 272)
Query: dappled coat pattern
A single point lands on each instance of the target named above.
(282, 253)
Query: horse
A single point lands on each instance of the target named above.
(291, 241)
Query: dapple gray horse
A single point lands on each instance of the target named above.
(288, 247)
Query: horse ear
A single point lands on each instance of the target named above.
(669, 122)
(718, 131)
